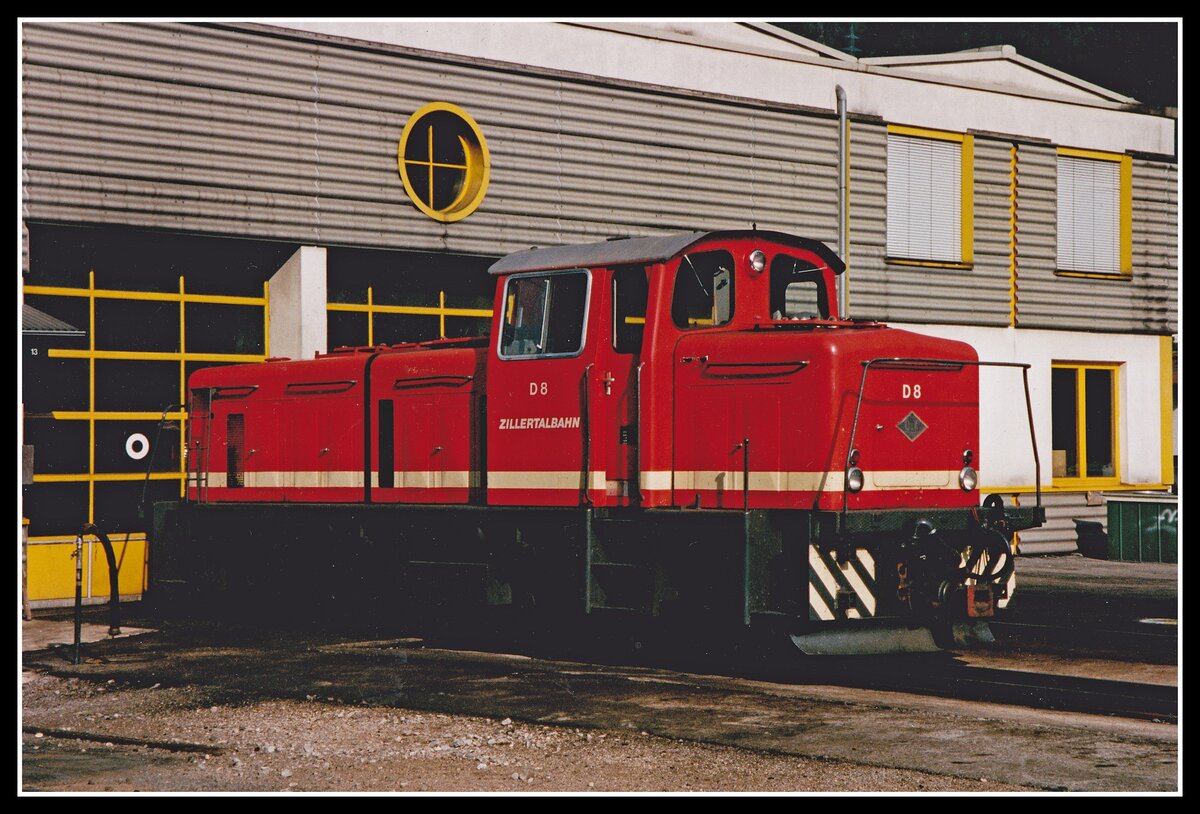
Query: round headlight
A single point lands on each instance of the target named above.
(758, 261)
(854, 479)
(968, 456)
(968, 479)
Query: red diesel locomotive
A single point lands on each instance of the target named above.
(679, 426)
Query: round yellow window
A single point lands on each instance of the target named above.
(444, 162)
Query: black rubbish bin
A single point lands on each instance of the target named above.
(1092, 540)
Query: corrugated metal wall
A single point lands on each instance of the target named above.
(993, 226)
(1156, 244)
(904, 293)
(215, 130)
(207, 129)
(1037, 211)
(1058, 535)
(1146, 302)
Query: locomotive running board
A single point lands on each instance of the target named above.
(876, 641)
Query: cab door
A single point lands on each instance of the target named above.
(709, 415)
(542, 379)
(617, 431)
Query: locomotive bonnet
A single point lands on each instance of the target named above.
(680, 426)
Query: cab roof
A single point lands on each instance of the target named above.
(638, 250)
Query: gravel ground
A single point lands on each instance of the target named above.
(321, 744)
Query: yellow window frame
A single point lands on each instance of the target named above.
(1086, 482)
(967, 201)
(1125, 262)
(476, 170)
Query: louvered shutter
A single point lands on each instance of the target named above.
(1089, 215)
(924, 199)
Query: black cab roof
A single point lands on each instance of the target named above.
(639, 250)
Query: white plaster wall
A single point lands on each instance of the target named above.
(298, 324)
(800, 80)
(1002, 72)
(1005, 455)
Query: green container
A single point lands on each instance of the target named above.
(1142, 526)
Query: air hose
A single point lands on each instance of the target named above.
(114, 625)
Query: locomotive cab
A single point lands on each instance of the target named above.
(581, 395)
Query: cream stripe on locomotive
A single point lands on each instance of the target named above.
(826, 578)
(891, 479)
(418, 479)
(766, 481)
(570, 479)
(430, 479)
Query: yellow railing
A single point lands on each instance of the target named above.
(371, 308)
(182, 356)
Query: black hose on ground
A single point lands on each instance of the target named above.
(114, 624)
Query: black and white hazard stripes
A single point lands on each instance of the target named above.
(841, 591)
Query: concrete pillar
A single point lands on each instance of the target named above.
(297, 322)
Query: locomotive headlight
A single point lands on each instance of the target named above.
(968, 479)
(968, 456)
(854, 479)
(758, 261)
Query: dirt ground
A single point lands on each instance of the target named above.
(322, 744)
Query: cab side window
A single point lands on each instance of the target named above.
(797, 290)
(703, 294)
(544, 315)
(630, 290)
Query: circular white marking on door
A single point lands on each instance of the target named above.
(136, 446)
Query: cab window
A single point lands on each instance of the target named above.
(544, 315)
(797, 290)
(630, 289)
(703, 290)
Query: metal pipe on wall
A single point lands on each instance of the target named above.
(842, 293)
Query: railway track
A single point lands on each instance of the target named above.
(1097, 696)
(1153, 644)
(941, 675)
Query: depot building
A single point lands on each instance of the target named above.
(201, 194)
